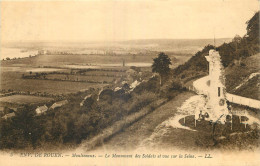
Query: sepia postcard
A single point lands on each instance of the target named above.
(129, 82)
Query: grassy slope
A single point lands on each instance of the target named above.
(236, 74)
(133, 136)
(250, 89)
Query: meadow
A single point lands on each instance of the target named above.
(14, 82)
(81, 78)
(24, 99)
(11, 79)
(108, 70)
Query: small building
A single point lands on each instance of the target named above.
(134, 85)
(59, 104)
(117, 89)
(9, 115)
(41, 109)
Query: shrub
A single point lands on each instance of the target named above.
(140, 101)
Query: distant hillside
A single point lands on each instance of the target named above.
(240, 57)
(178, 42)
(177, 46)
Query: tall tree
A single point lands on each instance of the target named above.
(161, 65)
(252, 39)
(253, 27)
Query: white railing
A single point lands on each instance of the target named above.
(243, 101)
(230, 97)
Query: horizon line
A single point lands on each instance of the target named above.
(65, 40)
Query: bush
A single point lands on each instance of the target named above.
(140, 101)
(152, 85)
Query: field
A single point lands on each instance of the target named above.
(80, 78)
(48, 86)
(91, 61)
(58, 66)
(62, 60)
(23, 99)
(13, 80)
(12, 71)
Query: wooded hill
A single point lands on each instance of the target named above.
(234, 54)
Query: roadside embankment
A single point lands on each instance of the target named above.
(119, 125)
(131, 137)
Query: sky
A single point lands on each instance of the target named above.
(124, 20)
